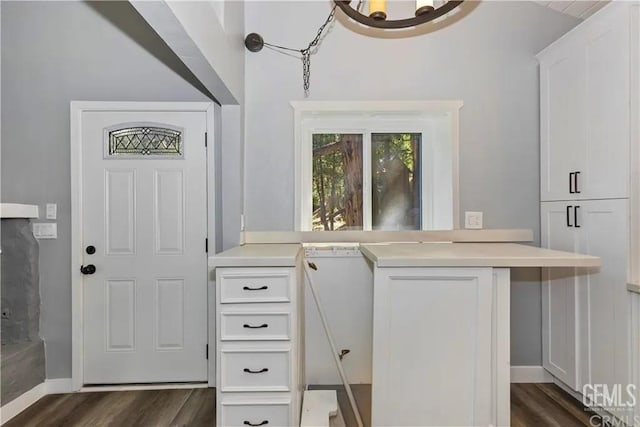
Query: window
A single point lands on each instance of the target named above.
(376, 166)
(143, 140)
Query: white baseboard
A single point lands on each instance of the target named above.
(22, 402)
(65, 385)
(26, 399)
(530, 374)
(58, 386)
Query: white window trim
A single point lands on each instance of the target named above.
(404, 109)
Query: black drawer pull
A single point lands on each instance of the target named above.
(261, 288)
(575, 216)
(571, 181)
(264, 325)
(261, 371)
(576, 187)
(249, 423)
(569, 216)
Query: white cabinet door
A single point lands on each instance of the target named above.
(559, 296)
(604, 233)
(432, 326)
(605, 173)
(584, 110)
(561, 121)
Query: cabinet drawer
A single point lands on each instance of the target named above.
(239, 326)
(245, 285)
(255, 370)
(255, 414)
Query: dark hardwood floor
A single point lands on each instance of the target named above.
(547, 405)
(532, 405)
(185, 407)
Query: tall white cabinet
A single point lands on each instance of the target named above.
(588, 106)
(585, 109)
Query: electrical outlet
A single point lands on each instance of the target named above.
(45, 230)
(473, 220)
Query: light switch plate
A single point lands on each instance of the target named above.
(52, 211)
(473, 220)
(45, 230)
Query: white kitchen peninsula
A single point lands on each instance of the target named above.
(440, 329)
(441, 336)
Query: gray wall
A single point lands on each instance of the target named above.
(52, 53)
(486, 59)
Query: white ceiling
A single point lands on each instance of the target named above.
(579, 8)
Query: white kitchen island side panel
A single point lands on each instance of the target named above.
(438, 347)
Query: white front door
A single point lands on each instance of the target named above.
(144, 213)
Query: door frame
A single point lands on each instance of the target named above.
(77, 279)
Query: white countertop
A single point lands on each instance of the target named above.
(261, 255)
(413, 255)
(472, 255)
(17, 210)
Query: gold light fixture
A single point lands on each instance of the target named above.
(377, 18)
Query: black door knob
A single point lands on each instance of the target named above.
(91, 249)
(87, 269)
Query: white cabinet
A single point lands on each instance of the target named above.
(440, 347)
(635, 350)
(259, 346)
(561, 122)
(559, 296)
(589, 82)
(604, 316)
(585, 108)
(586, 312)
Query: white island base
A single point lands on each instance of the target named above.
(441, 336)
(441, 343)
(441, 347)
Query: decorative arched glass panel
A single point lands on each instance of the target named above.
(144, 140)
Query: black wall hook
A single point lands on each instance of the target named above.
(254, 42)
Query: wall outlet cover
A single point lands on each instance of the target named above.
(45, 230)
(473, 220)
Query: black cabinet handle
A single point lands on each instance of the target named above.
(571, 174)
(575, 216)
(249, 423)
(569, 216)
(261, 288)
(575, 182)
(264, 325)
(261, 371)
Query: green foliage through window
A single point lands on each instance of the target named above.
(338, 181)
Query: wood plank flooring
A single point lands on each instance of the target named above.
(184, 407)
(547, 405)
(532, 405)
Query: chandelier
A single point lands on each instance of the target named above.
(377, 17)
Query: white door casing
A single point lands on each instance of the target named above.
(142, 316)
